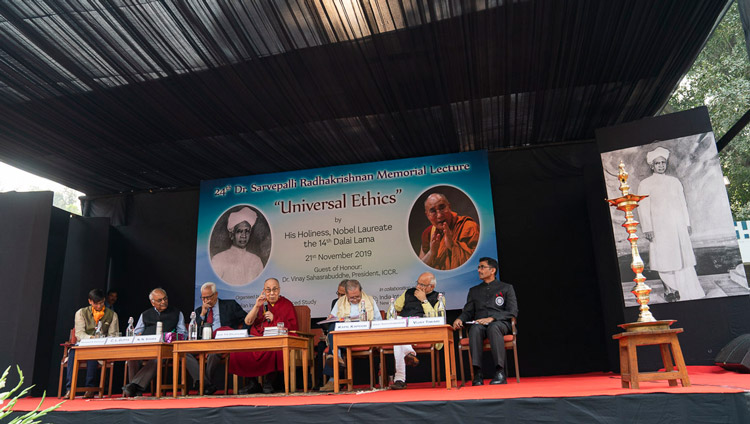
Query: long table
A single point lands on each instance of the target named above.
(286, 344)
(123, 352)
(393, 336)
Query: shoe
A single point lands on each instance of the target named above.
(478, 380)
(131, 390)
(251, 388)
(676, 295)
(66, 395)
(329, 361)
(268, 383)
(398, 385)
(209, 389)
(411, 359)
(499, 378)
(328, 387)
(88, 395)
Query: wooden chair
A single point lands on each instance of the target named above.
(510, 343)
(420, 348)
(304, 322)
(166, 377)
(362, 352)
(72, 340)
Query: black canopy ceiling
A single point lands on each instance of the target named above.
(121, 95)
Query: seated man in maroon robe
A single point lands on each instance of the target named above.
(270, 308)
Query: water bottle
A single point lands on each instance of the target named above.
(362, 312)
(391, 309)
(193, 328)
(98, 334)
(159, 329)
(441, 306)
(130, 331)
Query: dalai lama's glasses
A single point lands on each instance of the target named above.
(273, 290)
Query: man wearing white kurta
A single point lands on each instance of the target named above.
(237, 266)
(666, 224)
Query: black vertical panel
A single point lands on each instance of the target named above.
(24, 231)
(46, 362)
(85, 269)
(545, 250)
(156, 248)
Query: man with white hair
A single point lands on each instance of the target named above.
(417, 301)
(217, 313)
(665, 223)
(237, 266)
(171, 319)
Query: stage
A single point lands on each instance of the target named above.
(716, 396)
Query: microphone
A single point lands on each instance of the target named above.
(265, 309)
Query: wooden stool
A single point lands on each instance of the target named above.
(629, 342)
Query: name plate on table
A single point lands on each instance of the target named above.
(389, 323)
(354, 325)
(119, 340)
(426, 322)
(231, 334)
(154, 338)
(92, 342)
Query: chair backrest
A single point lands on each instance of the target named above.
(303, 318)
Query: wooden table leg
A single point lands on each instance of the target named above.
(680, 361)
(666, 358)
(102, 379)
(349, 369)
(624, 369)
(183, 374)
(285, 352)
(201, 371)
(74, 381)
(305, 370)
(158, 374)
(633, 362)
(175, 369)
(335, 367)
(447, 342)
(293, 369)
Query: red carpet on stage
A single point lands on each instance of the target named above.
(704, 379)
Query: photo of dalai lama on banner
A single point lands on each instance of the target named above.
(444, 227)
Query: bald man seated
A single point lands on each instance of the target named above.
(417, 301)
(172, 321)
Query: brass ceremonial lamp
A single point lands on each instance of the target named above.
(626, 203)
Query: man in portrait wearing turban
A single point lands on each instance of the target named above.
(666, 225)
(237, 266)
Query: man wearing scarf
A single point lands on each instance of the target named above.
(349, 306)
(86, 320)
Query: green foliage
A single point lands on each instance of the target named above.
(720, 80)
(31, 416)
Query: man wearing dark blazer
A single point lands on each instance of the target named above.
(217, 313)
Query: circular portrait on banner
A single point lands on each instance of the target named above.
(444, 227)
(240, 245)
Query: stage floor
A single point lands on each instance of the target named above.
(704, 379)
